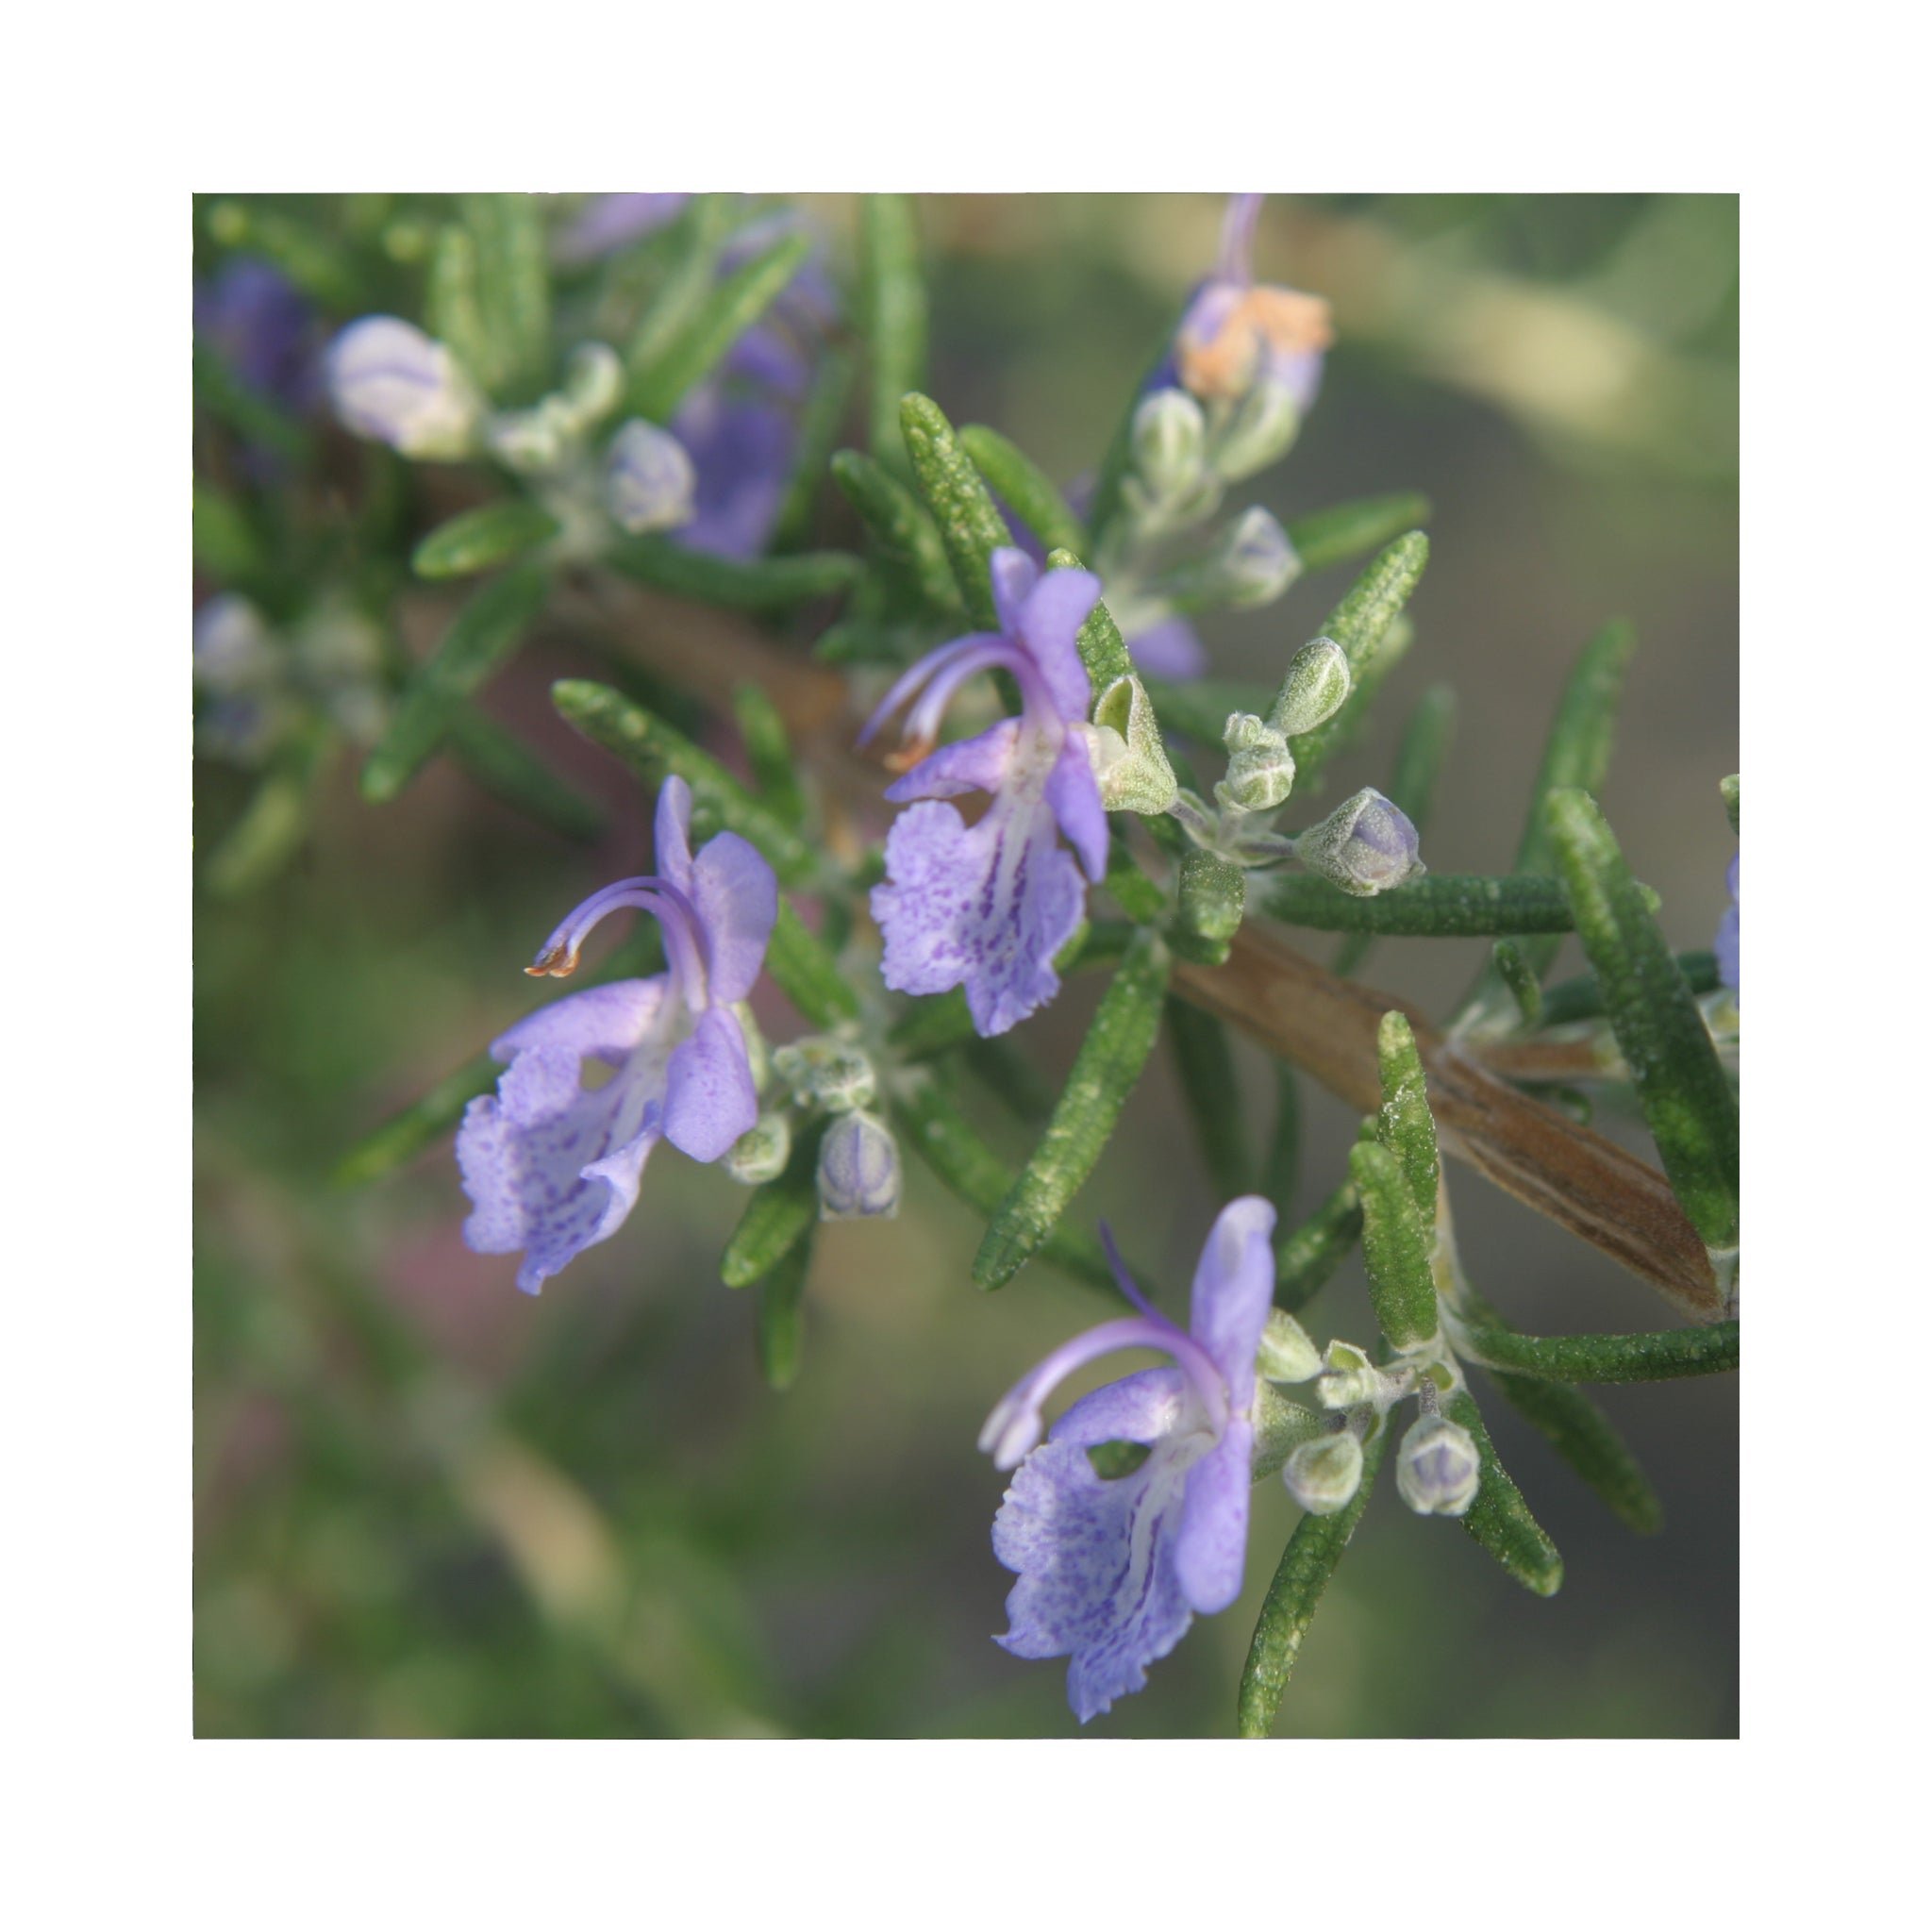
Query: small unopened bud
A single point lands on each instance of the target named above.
(1124, 746)
(1261, 767)
(858, 1169)
(594, 383)
(1255, 563)
(392, 384)
(232, 652)
(1323, 1475)
(1314, 690)
(1170, 438)
(1350, 1378)
(649, 483)
(759, 1154)
(1286, 1353)
(1260, 431)
(827, 1073)
(1365, 846)
(1438, 1471)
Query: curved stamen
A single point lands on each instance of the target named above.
(1015, 1426)
(684, 939)
(1128, 1287)
(922, 727)
(1237, 238)
(908, 681)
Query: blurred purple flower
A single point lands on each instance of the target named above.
(261, 326)
(1112, 1572)
(1235, 332)
(553, 1166)
(1726, 941)
(989, 906)
(610, 221)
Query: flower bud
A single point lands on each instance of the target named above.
(1316, 686)
(1254, 561)
(1213, 898)
(1260, 431)
(858, 1169)
(392, 384)
(648, 480)
(1169, 436)
(1286, 1353)
(1438, 1471)
(592, 384)
(1123, 746)
(232, 652)
(1261, 767)
(1365, 846)
(1323, 1475)
(759, 1154)
(827, 1073)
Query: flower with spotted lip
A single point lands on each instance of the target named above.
(1112, 1572)
(554, 1166)
(990, 905)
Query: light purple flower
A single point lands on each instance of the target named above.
(257, 322)
(988, 906)
(648, 478)
(1112, 1572)
(740, 447)
(612, 221)
(1235, 332)
(1726, 942)
(392, 384)
(553, 1166)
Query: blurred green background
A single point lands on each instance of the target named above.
(426, 1504)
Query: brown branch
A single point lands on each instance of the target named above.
(1324, 1024)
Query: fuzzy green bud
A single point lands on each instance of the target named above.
(1213, 896)
(759, 1154)
(1438, 1470)
(1323, 1475)
(1315, 687)
(1124, 746)
(1366, 847)
(1286, 1353)
(1261, 767)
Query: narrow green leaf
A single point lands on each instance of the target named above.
(273, 825)
(1729, 787)
(1030, 492)
(1516, 973)
(1209, 904)
(1687, 1100)
(1349, 530)
(807, 971)
(480, 637)
(506, 767)
(768, 749)
(1396, 1246)
(1418, 764)
(1499, 1518)
(1205, 1059)
(777, 1217)
(1583, 997)
(1103, 1073)
(225, 546)
(405, 1135)
(759, 583)
(781, 1315)
(1404, 1125)
(1360, 621)
(452, 311)
(652, 749)
(482, 537)
(934, 1128)
(733, 306)
(895, 520)
(1442, 904)
(1664, 1356)
(702, 228)
(1303, 1574)
(893, 293)
(1307, 1256)
(819, 424)
(969, 522)
(512, 292)
(1102, 650)
(1281, 1164)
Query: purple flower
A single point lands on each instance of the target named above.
(1111, 1572)
(552, 1165)
(256, 321)
(1726, 941)
(611, 220)
(392, 384)
(1236, 333)
(988, 906)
